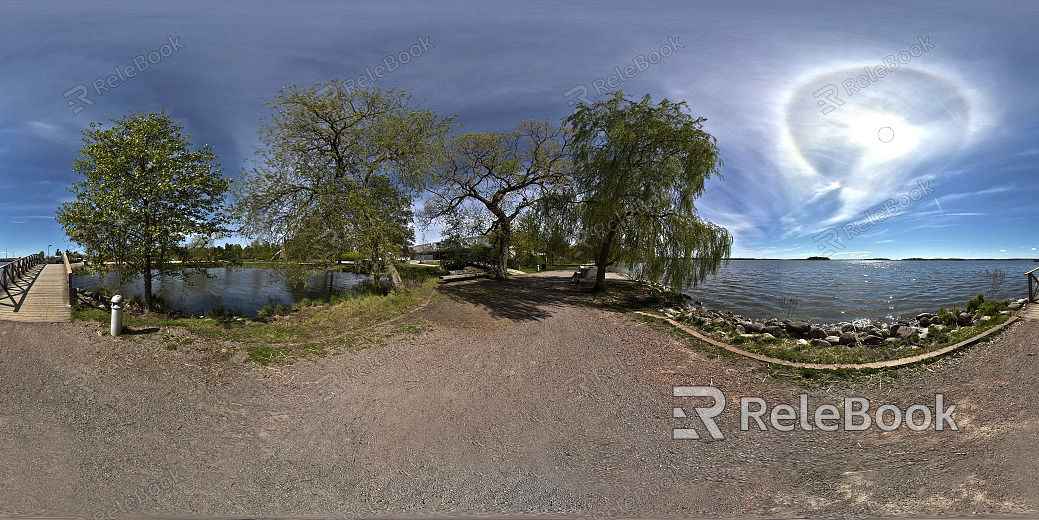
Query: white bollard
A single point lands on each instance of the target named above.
(117, 315)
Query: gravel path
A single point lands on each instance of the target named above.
(514, 398)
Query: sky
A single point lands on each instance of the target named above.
(846, 129)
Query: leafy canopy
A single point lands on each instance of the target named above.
(639, 168)
(495, 176)
(337, 171)
(144, 193)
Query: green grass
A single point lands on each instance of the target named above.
(314, 329)
(631, 296)
(90, 314)
(788, 349)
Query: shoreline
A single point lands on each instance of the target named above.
(689, 303)
(927, 331)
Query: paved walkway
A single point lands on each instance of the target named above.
(42, 295)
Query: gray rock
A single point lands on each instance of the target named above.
(904, 331)
(848, 327)
(798, 328)
(820, 343)
(816, 333)
(740, 329)
(833, 339)
(767, 336)
(848, 338)
(872, 340)
(754, 327)
(964, 318)
(1014, 306)
(774, 330)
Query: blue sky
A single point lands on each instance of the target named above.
(937, 157)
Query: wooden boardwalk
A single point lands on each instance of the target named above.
(1030, 312)
(41, 295)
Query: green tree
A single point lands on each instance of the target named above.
(501, 174)
(555, 224)
(527, 240)
(639, 168)
(144, 193)
(336, 173)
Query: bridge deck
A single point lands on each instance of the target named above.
(1030, 312)
(41, 295)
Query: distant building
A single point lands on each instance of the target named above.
(432, 251)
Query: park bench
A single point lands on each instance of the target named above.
(585, 272)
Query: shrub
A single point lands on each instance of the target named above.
(372, 287)
(413, 275)
(975, 302)
(223, 312)
(275, 310)
(993, 308)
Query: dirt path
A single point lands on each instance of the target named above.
(515, 398)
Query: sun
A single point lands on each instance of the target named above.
(881, 136)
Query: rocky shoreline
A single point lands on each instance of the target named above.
(859, 332)
(98, 300)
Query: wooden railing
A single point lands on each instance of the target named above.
(1033, 285)
(12, 272)
(68, 278)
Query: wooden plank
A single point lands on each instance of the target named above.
(41, 295)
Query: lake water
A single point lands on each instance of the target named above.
(836, 291)
(244, 289)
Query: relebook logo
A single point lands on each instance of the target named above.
(856, 416)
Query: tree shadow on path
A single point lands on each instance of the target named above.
(535, 297)
(524, 298)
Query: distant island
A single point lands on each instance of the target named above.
(899, 260)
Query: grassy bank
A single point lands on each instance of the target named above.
(312, 328)
(630, 296)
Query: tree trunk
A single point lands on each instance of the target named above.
(603, 259)
(391, 272)
(147, 283)
(503, 252)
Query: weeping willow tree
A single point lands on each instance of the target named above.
(639, 167)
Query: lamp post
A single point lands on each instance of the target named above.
(49, 249)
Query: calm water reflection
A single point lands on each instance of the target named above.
(241, 288)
